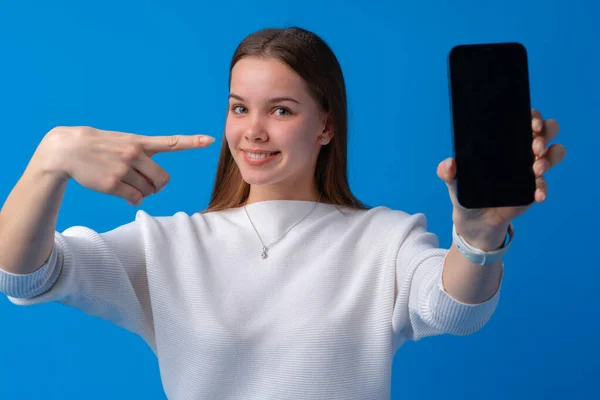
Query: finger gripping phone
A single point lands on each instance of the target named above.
(491, 125)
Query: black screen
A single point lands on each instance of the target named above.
(491, 123)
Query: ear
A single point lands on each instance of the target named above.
(328, 128)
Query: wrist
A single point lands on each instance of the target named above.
(484, 238)
(47, 161)
(47, 168)
(486, 253)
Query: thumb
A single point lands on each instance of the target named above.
(446, 171)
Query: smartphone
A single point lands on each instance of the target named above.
(491, 125)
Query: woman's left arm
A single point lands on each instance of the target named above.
(468, 282)
(486, 228)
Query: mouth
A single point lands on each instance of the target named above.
(258, 158)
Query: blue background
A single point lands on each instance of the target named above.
(160, 68)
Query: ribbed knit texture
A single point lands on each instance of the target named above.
(320, 318)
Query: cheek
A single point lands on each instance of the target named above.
(300, 145)
(305, 137)
(233, 132)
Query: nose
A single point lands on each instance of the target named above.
(256, 129)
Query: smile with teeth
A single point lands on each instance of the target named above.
(259, 156)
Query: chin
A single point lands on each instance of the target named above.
(259, 179)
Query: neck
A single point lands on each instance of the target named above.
(258, 194)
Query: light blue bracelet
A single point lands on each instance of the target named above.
(478, 256)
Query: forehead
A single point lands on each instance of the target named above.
(253, 76)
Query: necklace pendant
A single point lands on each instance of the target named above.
(264, 253)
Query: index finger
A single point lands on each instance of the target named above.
(159, 144)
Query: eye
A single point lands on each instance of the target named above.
(282, 112)
(237, 109)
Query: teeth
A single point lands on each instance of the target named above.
(258, 156)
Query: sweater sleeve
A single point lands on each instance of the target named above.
(103, 275)
(422, 306)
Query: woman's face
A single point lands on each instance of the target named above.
(273, 126)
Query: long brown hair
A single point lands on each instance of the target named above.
(312, 59)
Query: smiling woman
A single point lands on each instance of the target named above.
(290, 109)
(287, 286)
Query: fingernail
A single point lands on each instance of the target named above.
(206, 140)
(537, 124)
(449, 163)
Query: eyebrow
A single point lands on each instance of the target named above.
(272, 100)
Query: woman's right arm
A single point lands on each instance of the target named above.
(79, 267)
(114, 163)
(102, 274)
(28, 217)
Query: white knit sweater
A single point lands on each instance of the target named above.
(320, 318)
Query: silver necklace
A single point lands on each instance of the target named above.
(265, 248)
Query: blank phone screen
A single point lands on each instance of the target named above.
(491, 125)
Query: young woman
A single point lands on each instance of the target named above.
(287, 286)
